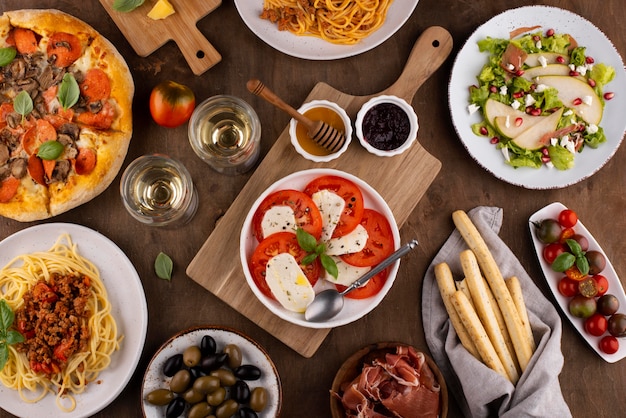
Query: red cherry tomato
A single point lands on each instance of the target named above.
(552, 251)
(380, 243)
(609, 344)
(567, 233)
(307, 214)
(596, 324)
(351, 194)
(568, 287)
(369, 289)
(601, 283)
(171, 104)
(278, 243)
(568, 218)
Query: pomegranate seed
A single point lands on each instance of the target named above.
(581, 127)
(519, 73)
(591, 82)
(483, 130)
(494, 140)
(544, 151)
(560, 59)
(545, 159)
(609, 95)
(589, 60)
(577, 101)
(519, 121)
(493, 89)
(535, 111)
(550, 32)
(574, 73)
(528, 110)
(536, 38)
(518, 94)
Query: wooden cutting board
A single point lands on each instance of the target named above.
(146, 35)
(401, 180)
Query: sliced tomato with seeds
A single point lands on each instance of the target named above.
(349, 192)
(380, 243)
(278, 243)
(307, 214)
(369, 289)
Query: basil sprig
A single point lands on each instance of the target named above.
(50, 150)
(7, 55)
(23, 104)
(567, 260)
(69, 92)
(308, 243)
(163, 266)
(126, 5)
(7, 335)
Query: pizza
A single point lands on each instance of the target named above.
(65, 113)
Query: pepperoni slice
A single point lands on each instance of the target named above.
(8, 188)
(96, 85)
(65, 47)
(25, 40)
(85, 161)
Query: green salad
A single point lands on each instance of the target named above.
(541, 97)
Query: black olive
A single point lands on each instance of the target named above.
(246, 412)
(196, 372)
(240, 392)
(175, 408)
(248, 372)
(212, 362)
(172, 365)
(207, 345)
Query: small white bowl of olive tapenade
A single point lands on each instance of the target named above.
(386, 125)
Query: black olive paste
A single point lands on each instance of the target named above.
(386, 126)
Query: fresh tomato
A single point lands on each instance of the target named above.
(609, 344)
(351, 194)
(567, 233)
(596, 324)
(278, 243)
(582, 307)
(568, 287)
(369, 289)
(597, 261)
(307, 214)
(380, 243)
(602, 284)
(552, 251)
(568, 218)
(171, 104)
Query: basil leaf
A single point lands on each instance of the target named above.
(4, 354)
(14, 337)
(7, 55)
(306, 241)
(320, 249)
(582, 264)
(50, 150)
(574, 246)
(126, 5)
(23, 104)
(309, 259)
(329, 265)
(163, 266)
(563, 262)
(7, 337)
(69, 92)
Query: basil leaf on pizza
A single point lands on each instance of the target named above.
(50, 150)
(69, 92)
(23, 104)
(7, 55)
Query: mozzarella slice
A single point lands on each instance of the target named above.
(331, 207)
(288, 283)
(347, 274)
(351, 243)
(278, 219)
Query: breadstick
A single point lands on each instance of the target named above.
(515, 289)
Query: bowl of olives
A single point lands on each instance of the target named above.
(211, 370)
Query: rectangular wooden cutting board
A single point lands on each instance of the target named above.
(146, 35)
(216, 266)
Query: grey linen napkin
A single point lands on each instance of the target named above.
(480, 391)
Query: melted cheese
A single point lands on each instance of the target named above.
(351, 243)
(347, 274)
(288, 283)
(278, 219)
(331, 207)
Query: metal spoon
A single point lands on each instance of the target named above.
(328, 303)
(319, 131)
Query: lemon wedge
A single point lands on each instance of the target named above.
(161, 10)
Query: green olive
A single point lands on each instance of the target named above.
(200, 410)
(180, 381)
(234, 355)
(227, 378)
(258, 399)
(160, 397)
(216, 397)
(192, 356)
(192, 397)
(227, 409)
(206, 384)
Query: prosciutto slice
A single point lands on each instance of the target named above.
(399, 384)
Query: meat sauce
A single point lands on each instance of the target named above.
(53, 321)
(386, 126)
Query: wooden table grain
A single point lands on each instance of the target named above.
(591, 387)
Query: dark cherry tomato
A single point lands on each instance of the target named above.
(608, 304)
(171, 104)
(568, 287)
(582, 241)
(582, 307)
(602, 284)
(552, 251)
(597, 261)
(596, 324)
(609, 344)
(617, 325)
(548, 231)
(568, 218)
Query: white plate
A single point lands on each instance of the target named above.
(252, 353)
(469, 62)
(353, 308)
(128, 303)
(308, 47)
(552, 278)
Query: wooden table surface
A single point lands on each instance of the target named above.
(591, 387)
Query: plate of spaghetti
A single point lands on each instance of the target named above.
(80, 358)
(324, 29)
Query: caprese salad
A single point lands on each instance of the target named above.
(323, 232)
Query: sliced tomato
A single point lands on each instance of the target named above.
(351, 194)
(371, 288)
(278, 243)
(307, 214)
(380, 243)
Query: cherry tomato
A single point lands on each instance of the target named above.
(548, 231)
(596, 324)
(617, 325)
(351, 194)
(582, 241)
(171, 104)
(370, 288)
(587, 287)
(380, 243)
(602, 284)
(582, 307)
(608, 304)
(568, 218)
(568, 287)
(597, 261)
(278, 243)
(609, 344)
(567, 233)
(307, 214)
(552, 251)
(575, 274)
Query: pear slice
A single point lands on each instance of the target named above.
(550, 69)
(535, 137)
(494, 108)
(571, 91)
(534, 59)
(511, 127)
